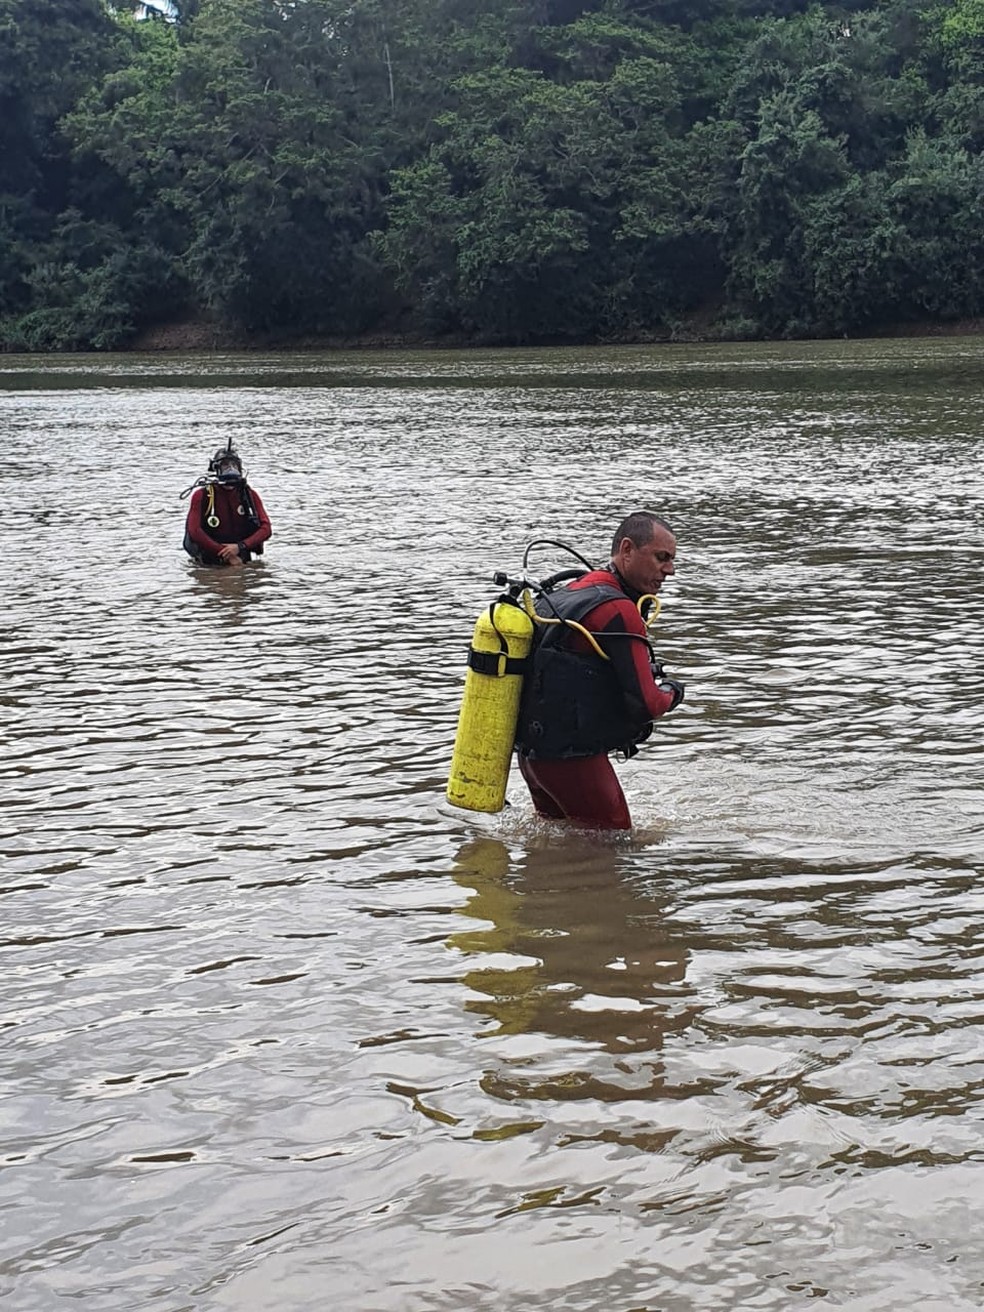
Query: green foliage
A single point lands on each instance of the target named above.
(519, 170)
(902, 245)
(87, 288)
(241, 142)
(962, 24)
(51, 51)
(551, 209)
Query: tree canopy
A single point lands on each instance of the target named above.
(503, 170)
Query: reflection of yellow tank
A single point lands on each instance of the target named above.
(490, 708)
(561, 938)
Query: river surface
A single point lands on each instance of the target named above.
(281, 1031)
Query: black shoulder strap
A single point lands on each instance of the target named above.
(572, 604)
(246, 498)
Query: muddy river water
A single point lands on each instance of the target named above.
(281, 1031)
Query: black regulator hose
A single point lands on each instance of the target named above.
(552, 542)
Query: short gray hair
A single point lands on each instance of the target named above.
(639, 528)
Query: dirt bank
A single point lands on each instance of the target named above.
(201, 335)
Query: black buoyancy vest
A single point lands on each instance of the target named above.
(250, 523)
(252, 518)
(245, 510)
(572, 702)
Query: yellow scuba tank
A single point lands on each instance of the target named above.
(483, 745)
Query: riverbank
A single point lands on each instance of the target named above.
(202, 335)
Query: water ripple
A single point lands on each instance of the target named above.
(280, 1026)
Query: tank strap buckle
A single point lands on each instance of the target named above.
(496, 663)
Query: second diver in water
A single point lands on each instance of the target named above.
(227, 523)
(577, 707)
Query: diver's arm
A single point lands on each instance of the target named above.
(194, 525)
(631, 658)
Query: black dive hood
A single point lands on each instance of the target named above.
(225, 456)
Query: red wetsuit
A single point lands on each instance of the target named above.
(584, 787)
(204, 541)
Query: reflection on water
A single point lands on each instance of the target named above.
(556, 921)
(282, 1029)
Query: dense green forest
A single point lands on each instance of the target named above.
(492, 170)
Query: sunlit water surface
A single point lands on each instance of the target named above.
(282, 1032)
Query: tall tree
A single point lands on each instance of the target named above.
(50, 52)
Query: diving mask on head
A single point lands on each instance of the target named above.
(226, 466)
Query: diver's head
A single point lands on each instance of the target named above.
(644, 551)
(226, 466)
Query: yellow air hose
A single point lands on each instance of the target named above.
(211, 518)
(571, 624)
(648, 620)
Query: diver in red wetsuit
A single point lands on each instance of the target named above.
(227, 523)
(576, 706)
